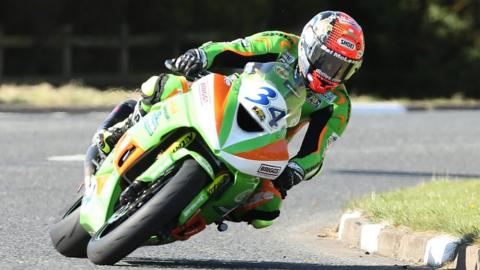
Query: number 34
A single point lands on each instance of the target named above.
(264, 99)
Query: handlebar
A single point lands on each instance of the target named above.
(169, 64)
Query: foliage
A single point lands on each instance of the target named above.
(444, 206)
(415, 48)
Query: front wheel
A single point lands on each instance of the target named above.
(126, 231)
(68, 236)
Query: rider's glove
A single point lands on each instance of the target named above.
(191, 62)
(292, 175)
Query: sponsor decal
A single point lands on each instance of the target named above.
(259, 112)
(282, 72)
(332, 139)
(172, 107)
(348, 20)
(204, 95)
(345, 43)
(217, 184)
(312, 171)
(182, 143)
(245, 43)
(286, 58)
(339, 56)
(269, 170)
(151, 123)
(312, 99)
(165, 113)
(192, 207)
(328, 97)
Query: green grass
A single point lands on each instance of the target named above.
(456, 100)
(74, 95)
(66, 96)
(443, 206)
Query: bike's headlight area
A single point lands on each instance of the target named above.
(246, 121)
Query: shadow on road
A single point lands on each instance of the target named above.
(405, 174)
(220, 264)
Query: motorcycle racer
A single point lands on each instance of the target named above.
(328, 52)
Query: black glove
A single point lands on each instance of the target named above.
(190, 63)
(292, 175)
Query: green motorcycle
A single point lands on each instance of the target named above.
(191, 161)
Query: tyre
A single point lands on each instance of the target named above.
(125, 231)
(68, 236)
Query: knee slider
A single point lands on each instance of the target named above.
(151, 89)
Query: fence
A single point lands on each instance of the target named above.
(66, 41)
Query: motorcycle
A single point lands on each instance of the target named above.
(188, 163)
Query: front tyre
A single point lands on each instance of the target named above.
(120, 236)
(68, 236)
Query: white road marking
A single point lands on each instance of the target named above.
(67, 158)
(378, 108)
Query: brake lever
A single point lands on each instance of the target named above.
(169, 64)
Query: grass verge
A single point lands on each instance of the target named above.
(455, 101)
(443, 206)
(71, 95)
(74, 95)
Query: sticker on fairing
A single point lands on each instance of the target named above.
(151, 123)
(313, 100)
(281, 72)
(204, 94)
(260, 114)
(269, 170)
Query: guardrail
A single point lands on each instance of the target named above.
(66, 41)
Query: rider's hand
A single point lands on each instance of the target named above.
(191, 62)
(292, 175)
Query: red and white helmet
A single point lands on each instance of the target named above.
(330, 50)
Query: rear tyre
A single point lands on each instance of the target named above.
(121, 235)
(68, 236)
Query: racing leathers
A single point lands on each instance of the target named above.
(323, 120)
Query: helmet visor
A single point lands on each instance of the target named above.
(331, 65)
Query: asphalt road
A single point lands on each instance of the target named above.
(377, 153)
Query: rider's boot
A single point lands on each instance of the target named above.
(106, 138)
(261, 208)
(153, 90)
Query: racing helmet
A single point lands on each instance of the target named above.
(330, 50)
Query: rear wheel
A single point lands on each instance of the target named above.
(68, 236)
(133, 224)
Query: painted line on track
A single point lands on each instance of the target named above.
(67, 158)
(378, 108)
